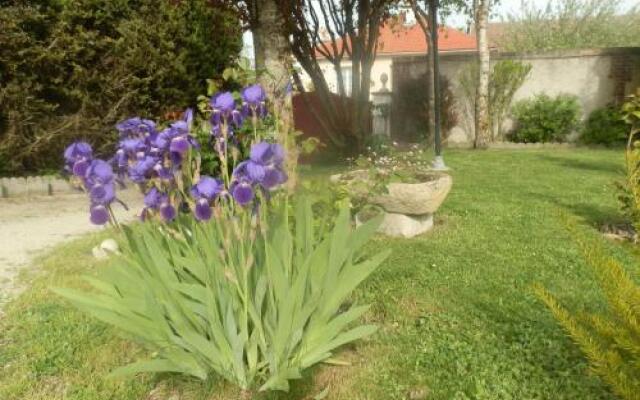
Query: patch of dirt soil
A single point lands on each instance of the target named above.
(30, 225)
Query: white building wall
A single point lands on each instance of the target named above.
(382, 65)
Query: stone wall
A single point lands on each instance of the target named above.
(598, 77)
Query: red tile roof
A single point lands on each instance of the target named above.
(399, 39)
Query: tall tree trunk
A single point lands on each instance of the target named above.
(273, 56)
(273, 65)
(482, 93)
(431, 101)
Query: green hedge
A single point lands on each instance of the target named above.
(545, 119)
(605, 126)
(71, 69)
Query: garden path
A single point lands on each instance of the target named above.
(30, 225)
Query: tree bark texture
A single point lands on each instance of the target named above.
(482, 129)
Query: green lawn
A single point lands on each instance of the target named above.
(457, 315)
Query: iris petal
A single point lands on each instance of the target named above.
(203, 210)
(243, 193)
(168, 212)
(99, 215)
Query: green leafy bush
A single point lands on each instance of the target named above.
(611, 341)
(629, 189)
(255, 301)
(71, 69)
(605, 126)
(545, 119)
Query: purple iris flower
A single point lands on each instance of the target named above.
(242, 192)
(273, 177)
(99, 182)
(77, 158)
(176, 140)
(164, 139)
(167, 211)
(155, 200)
(224, 110)
(264, 168)
(253, 95)
(203, 210)
(205, 191)
(223, 103)
(253, 101)
(98, 214)
(99, 171)
(207, 187)
(265, 153)
(102, 193)
(77, 150)
(188, 117)
(132, 145)
(142, 169)
(136, 127)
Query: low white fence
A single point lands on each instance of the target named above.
(34, 186)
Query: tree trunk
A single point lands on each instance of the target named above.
(273, 65)
(273, 57)
(258, 49)
(484, 68)
(431, 101)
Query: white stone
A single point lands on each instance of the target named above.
(110, 246)
(99, 253)
(407, 226)
(415, 198)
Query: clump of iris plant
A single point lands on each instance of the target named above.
(164, 162)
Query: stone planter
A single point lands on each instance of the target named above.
(408, 207)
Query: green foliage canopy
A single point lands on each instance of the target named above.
(70, 70)
(571, 24)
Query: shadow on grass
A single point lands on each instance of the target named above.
(594, 215)
(575, 163)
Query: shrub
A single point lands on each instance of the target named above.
(412, 109)
(629, 189)
(71, 69)
(545, 119)
(605, 126)
(611, 341)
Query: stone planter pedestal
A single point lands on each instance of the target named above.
(403, 225)
(409, 207)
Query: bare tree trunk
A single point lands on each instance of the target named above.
(431, 101)
(271, 49)
(482, 93)
(258, 49)
(273, 65)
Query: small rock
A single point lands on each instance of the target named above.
(99, 253)
(110, 246)
(614, 236)
(418, 393)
